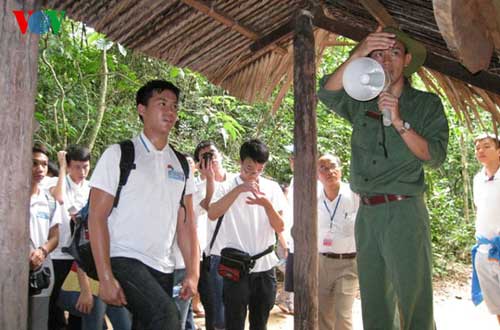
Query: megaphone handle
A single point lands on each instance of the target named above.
(386, 117)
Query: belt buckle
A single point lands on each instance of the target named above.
(340, 256)
(386, 198)
(366, 200)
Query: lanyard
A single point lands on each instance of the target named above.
(334, 211)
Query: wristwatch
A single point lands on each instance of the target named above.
(404, 128)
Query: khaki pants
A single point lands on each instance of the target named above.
(338, 283)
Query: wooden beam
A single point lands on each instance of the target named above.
(465, 32)
(483, 79)
(221, 18)
(378, 11)
(18, 60)
(305, 200)
(283, 32)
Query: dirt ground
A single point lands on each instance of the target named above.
(453, 309)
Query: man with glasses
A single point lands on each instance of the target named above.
(338, 275)
(132, 243)
(252, 207)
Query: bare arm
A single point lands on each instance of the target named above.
(188, 244)
(85, 301)
(38, 255)
(220, 207)
(101, 204)
(58, 190)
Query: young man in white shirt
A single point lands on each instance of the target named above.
(252, 207)
(71, 190)
(132, 242)
(338, 276)
(45, 217)
(209, 161)
(486, 197)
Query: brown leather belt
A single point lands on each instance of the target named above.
(339, 255)
(379, 199)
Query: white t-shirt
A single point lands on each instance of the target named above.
(336, 221)
(205, 226)
(143, 225)
(246, 227)
(76, 196)
(41, 219)
(487, 200)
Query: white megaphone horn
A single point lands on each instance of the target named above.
(364, 79)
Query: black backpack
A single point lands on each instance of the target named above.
(79, 247)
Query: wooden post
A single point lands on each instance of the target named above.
(304, 231)
(18, 60)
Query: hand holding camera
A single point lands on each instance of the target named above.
(206, 162)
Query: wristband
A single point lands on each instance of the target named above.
(44, 250)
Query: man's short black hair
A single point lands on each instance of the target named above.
(202, 145)
(53, 169)
(77, 153)
(40, 148)
(155, 86)
(255, 150)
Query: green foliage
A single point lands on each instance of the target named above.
(207, 112)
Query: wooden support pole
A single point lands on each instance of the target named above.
(18, 60)
(304, 231)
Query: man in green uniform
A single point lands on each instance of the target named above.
(392, 225)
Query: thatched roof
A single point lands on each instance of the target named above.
(246, 46)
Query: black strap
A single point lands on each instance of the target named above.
(185, 168)
(217, 227)
(260, 255)
(127, 159)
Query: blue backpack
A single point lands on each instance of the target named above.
(80, 247)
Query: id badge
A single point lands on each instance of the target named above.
(328, 239)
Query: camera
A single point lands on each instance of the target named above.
(207, 156)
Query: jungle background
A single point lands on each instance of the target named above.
(86, 95)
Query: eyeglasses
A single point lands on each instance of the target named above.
(326, 169)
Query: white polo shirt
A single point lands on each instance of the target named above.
(41, 219)
(336, 221)
(246, 227)
(143, 225)
(487, 201)
(75, 195)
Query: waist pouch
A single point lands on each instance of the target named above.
(236, 264)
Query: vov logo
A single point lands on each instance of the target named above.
(39, 22)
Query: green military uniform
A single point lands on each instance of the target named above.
(393, 238)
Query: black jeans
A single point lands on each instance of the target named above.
(56, 315)
(148, 293)
(207, 295)
(257, 291)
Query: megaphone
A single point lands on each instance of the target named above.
(364, 79)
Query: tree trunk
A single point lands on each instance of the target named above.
(102, 100)
(304, 231)
(18, 60)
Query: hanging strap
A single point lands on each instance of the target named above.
(217, 227)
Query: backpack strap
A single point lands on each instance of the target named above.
(185, 168)
(127, 164)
